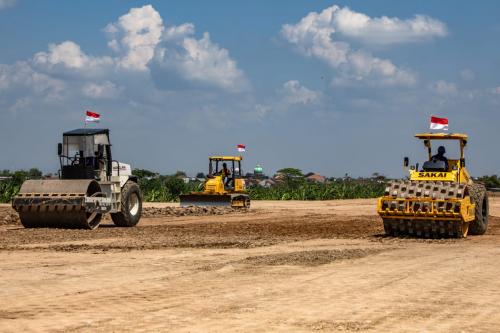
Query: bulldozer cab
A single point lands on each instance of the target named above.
(85, 154)
(233, 178)
(439, 170)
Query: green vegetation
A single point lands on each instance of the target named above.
(490, 181)
(290, 185)
(156, 188)
(10, 187)
(338, 189)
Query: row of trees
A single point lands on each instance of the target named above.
(292, 185)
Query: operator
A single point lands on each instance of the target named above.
(440, 156)
(226, 174)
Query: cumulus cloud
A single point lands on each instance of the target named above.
(137, 34)
(200, 60)
(70, 56)
(313, 37)
(7, 3)
(136, 38)
(178, 31)
(140, 34)
(385, 30)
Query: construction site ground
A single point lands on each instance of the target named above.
(280, 266)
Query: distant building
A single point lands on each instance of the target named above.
(316, 178)
(267, 183)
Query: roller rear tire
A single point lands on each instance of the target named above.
(479, 196)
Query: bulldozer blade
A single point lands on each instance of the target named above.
(210, 200)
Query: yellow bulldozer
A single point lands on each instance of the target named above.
(440, 200)
(224, 185)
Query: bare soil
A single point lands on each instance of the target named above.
(280, 266)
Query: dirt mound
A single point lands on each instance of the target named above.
(251, 230)
(8, 216)
(189, 211)
(309, 258)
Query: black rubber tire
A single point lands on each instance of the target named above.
(125, 218)
(479, 196)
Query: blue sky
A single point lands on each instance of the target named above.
(331, 87)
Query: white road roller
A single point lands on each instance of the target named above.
(90, 185)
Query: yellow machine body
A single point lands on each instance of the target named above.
(431, 203)
(215, 191)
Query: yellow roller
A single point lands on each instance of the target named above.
(438, 201)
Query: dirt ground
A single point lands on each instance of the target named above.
(281, 266)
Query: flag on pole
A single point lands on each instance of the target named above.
(92, 117)
(241, 148)
(439, 123)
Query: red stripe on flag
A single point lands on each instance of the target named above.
(437, 120)
(93, 114)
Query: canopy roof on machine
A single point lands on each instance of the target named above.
(87, 131)
(441, 136)
(226, 158)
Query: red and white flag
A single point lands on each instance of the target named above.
(439, 123)
(92, 117)
(241, 148)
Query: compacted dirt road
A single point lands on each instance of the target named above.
(281, 266)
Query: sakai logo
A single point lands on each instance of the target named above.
(432, 174)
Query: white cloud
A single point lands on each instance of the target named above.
(204, 61)
(292, 96)
(21, 75)
(386, 30)
(137, 33)
(64, 74)
(21, 86)
(199, 61)
(178, 31)
(136, 37)
(140, 34)
(7, 3)
(294, 93)
(444, 88)
(103, 90)
(69, 55)
(313, 37)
